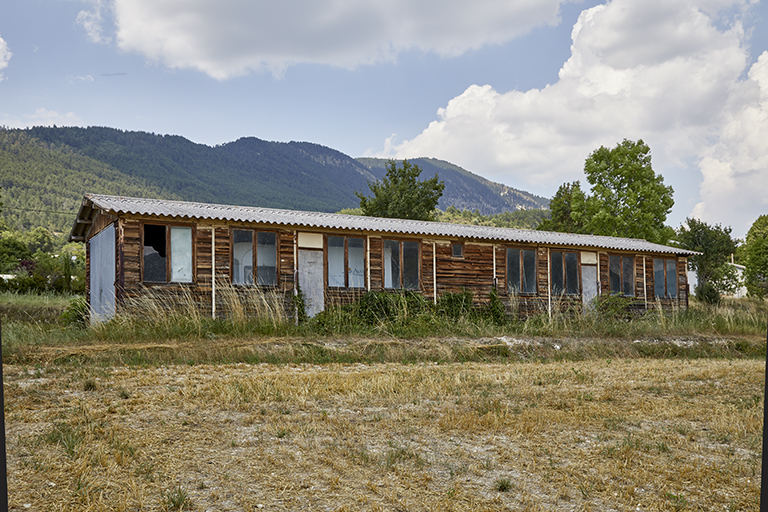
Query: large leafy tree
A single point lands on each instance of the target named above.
(717, 246)
(567, 210)
(755, 253)
(400, 194)
(628, 199)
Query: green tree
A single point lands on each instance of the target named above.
(717, 246)
(400, 195)
(567, 208)
(755, 252)
(628, 199)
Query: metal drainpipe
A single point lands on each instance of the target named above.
(549, 283)
(368, 259)
(213, 272)
(434, 272)
(494, 266)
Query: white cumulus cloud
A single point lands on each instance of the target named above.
(45, 117)
(233, 37)
(92, 21)
(669, 73)
(5, 56)
(735, 168)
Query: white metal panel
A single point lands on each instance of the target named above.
(311, 240)
(311, 281)
(589, 285)
(102, 278)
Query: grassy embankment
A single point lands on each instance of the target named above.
(395, 329)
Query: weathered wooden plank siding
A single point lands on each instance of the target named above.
(473, 272)
(285, 259)
(377, 276)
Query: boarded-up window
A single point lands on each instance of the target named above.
(521, 271)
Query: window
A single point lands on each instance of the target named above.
(665, 277)
(401, 264)
(564, 272)
(167, 254)
(521, 271)
(247, 257)
(346, 262)
(621, 271)
(457, 250)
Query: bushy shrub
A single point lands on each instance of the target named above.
(376, 307)
(456, 305)
(495, 310)
(707, 293)
(614, 306)
(77, 313)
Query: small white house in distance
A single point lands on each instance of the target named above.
(741, 291)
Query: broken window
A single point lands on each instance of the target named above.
(160, 263)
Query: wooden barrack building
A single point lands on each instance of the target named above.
(136, 245)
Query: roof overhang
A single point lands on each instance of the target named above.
(83, 222)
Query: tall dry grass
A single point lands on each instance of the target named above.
(598, 435)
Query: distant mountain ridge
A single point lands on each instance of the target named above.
(465, 190)
(50, 168)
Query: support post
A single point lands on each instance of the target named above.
(4, 479)
(763, 485)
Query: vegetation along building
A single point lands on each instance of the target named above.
(145, 247)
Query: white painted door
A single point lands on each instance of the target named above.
(311, 281)
(102, 279)
(588, 285)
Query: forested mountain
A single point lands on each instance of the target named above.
(45, 170)
(465, 190)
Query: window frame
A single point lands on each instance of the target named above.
(564, 273)
(401, 268)
(460, 246)
(521, 271)
(665, 265)
(168, 226)
(622, 259)
(347, 268)
(254, 257)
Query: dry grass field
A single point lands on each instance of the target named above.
(602, 434)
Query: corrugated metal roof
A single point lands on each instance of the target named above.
(295, 218)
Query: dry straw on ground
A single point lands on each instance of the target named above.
(630, 434)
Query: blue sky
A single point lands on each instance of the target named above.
(517, 91)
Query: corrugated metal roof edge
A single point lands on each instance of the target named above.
(193, 210)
